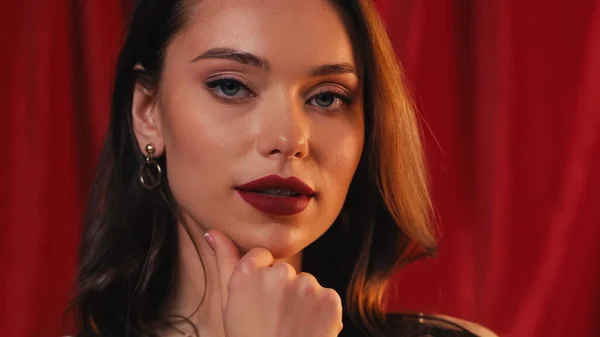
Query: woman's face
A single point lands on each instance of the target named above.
(256, 88)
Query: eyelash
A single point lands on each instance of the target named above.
(215, 84)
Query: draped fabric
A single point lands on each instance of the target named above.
(509, 95)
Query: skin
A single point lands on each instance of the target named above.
(288, 121)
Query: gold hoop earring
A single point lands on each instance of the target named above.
(150, 171)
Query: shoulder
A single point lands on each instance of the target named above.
(435, 326)
(473, 327)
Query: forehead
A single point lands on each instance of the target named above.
(282, 31)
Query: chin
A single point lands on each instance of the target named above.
(281, 243)
(281, 252)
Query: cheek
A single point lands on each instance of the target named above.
(202, 149)
(340, 147)
(201, 136)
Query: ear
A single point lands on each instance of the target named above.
(146, 118)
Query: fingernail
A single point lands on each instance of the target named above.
(210, 240)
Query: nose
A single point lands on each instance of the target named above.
(284, 130)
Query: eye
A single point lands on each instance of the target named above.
(329, 100)
(229, 88)
(325, 100)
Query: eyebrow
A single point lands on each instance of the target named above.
(235, 55)
(259, 62)
(334, 69)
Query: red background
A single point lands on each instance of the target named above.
(509, 92)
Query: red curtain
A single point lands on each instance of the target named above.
(509, 92)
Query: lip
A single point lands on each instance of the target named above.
(276, 182)
(277, 205)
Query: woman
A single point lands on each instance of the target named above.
(262, 176)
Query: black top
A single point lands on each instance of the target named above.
(415, 325)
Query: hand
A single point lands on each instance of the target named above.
(263, 298)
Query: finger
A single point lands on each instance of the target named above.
(307, 284)
(331, 306)
(279, 276)
(256, 258)
(247, 275)
(330, 296)
(227, 257)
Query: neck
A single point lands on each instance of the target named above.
(197, 277)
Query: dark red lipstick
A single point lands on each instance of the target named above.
(276, 195)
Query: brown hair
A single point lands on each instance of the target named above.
(388, 208)
(128, 254)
